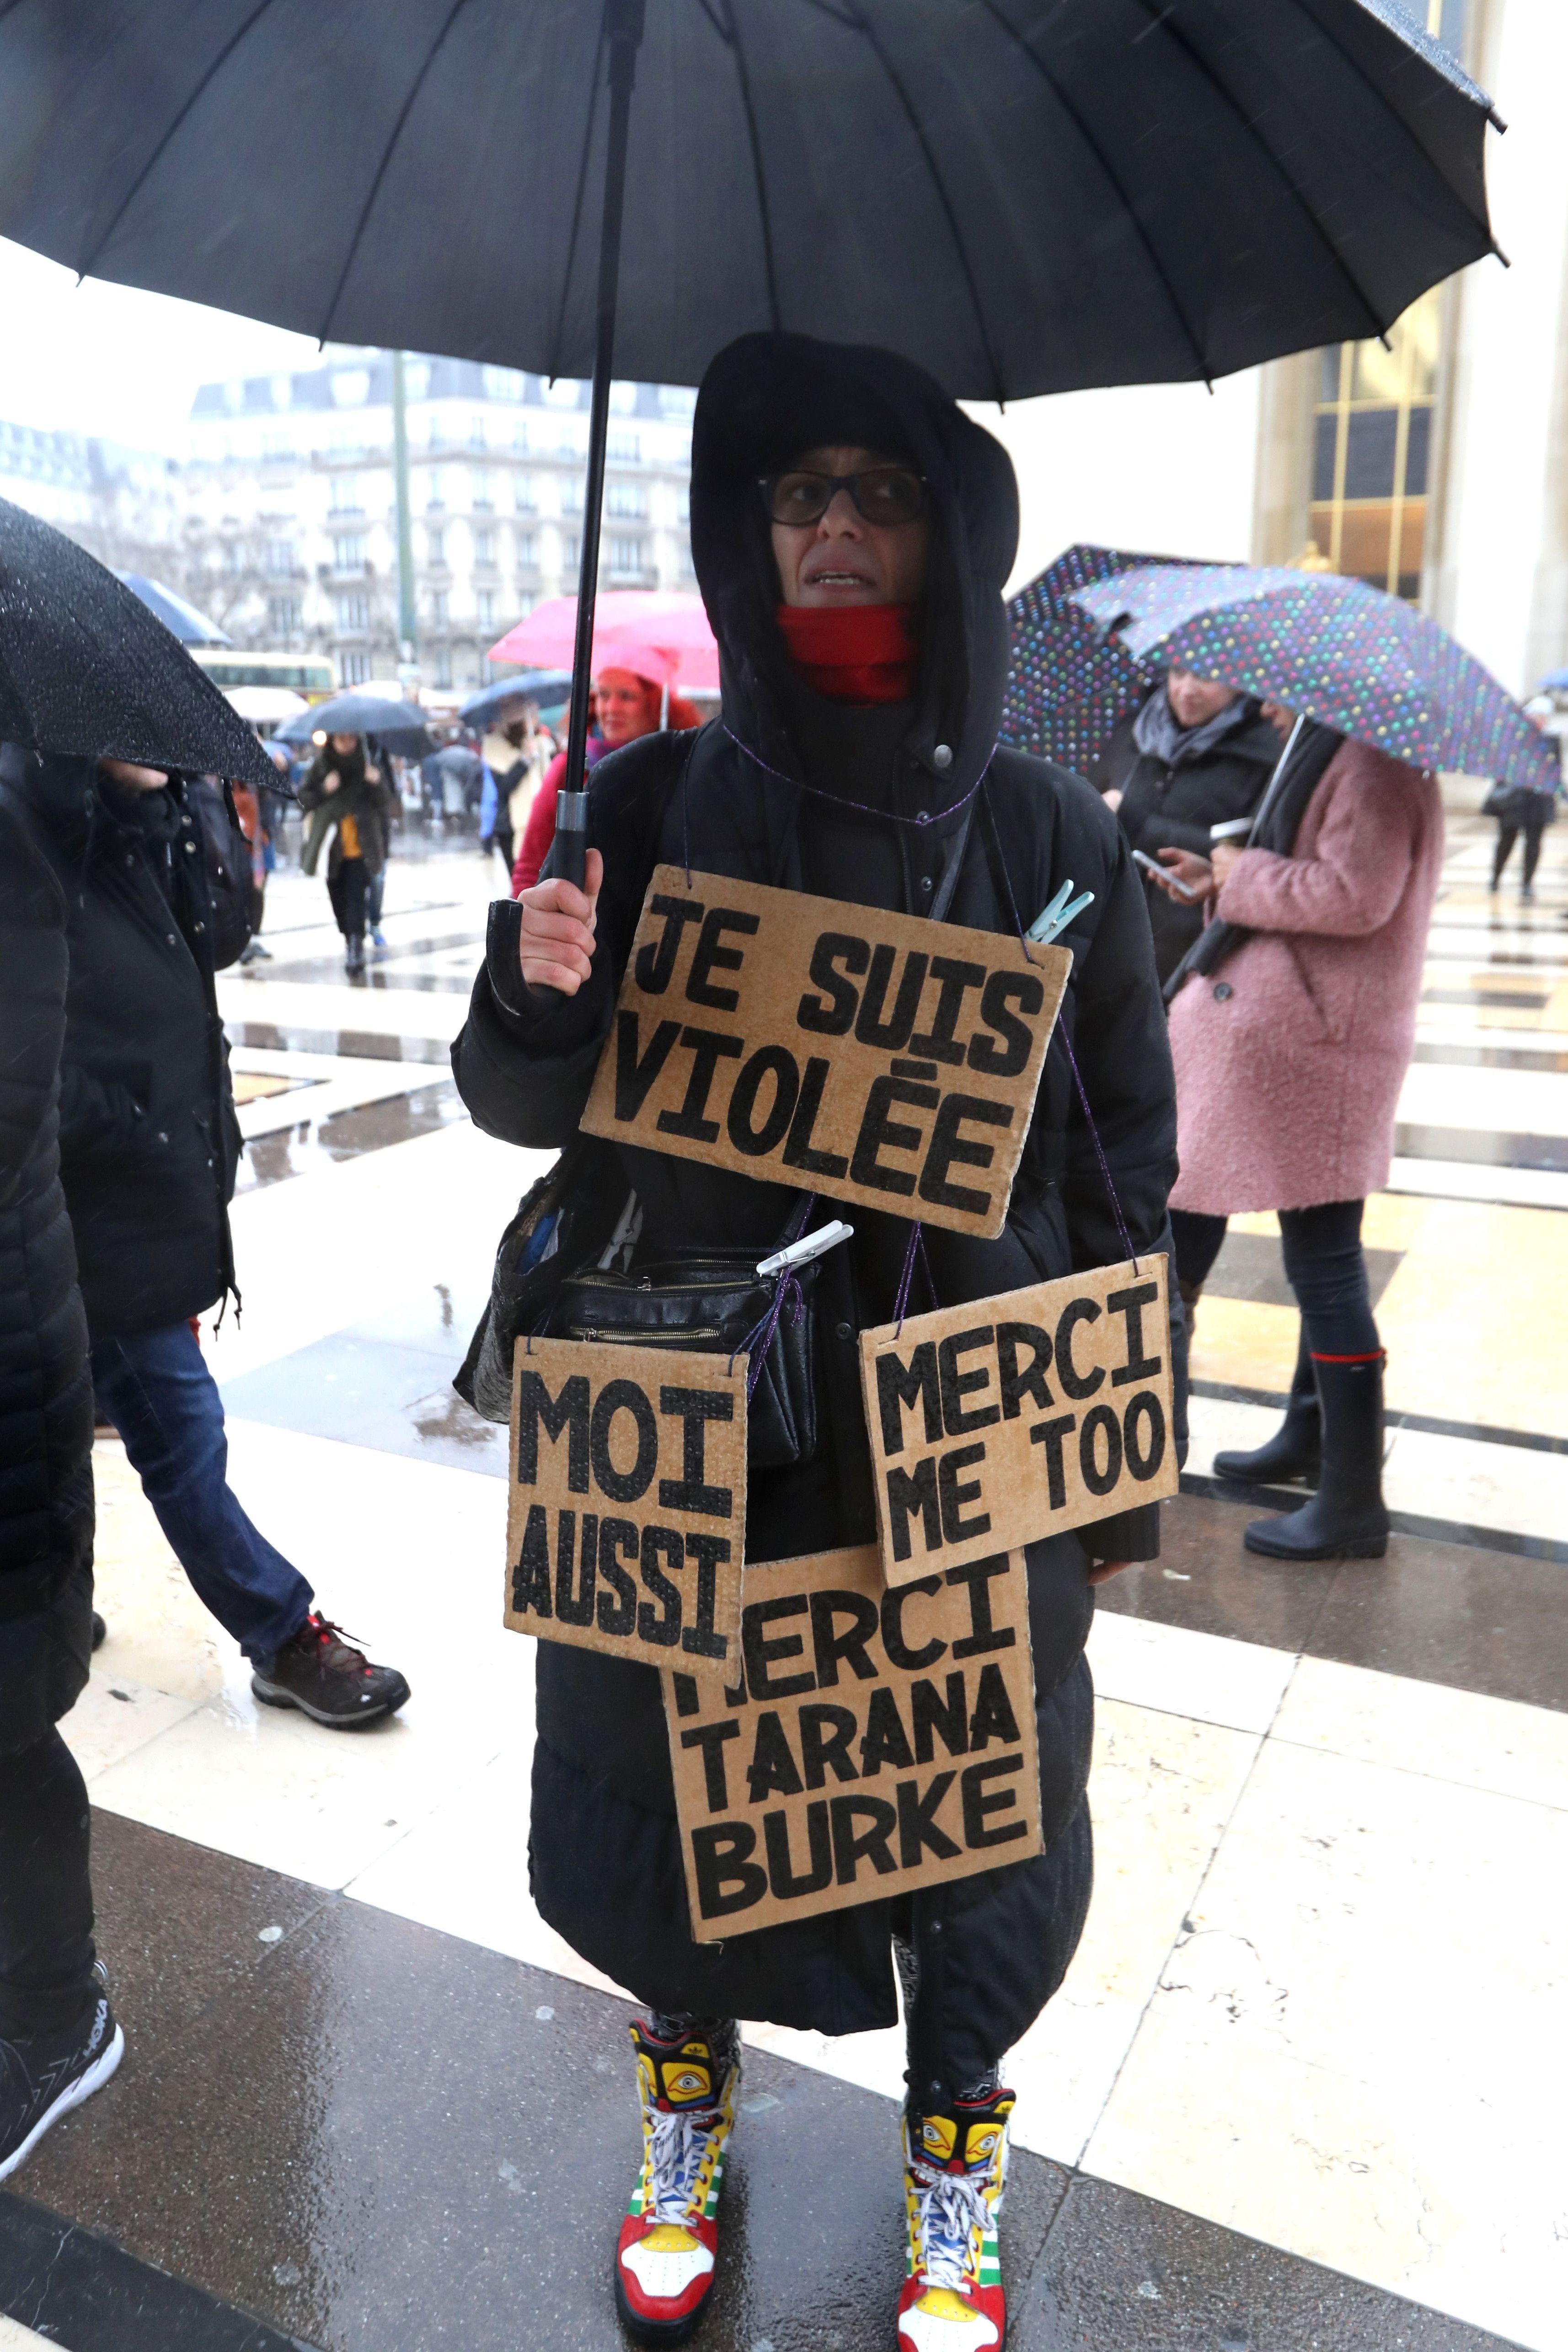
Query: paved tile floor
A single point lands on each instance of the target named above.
(1304, 2084)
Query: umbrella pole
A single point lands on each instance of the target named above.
(623, 35)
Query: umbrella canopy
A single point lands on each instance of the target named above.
(1071, 678)
(400, 726)
(490, 706)
(85, 668)
(1343, 653)
(180, 618)
(266, 706)
(661, 636)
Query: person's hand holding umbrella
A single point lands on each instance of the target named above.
(556, 945)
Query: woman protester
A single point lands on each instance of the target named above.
(344, 796)
(1291, 1033)
(852, 531)
(628, 706)
(1193, 754)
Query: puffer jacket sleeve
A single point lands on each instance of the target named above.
(32, 984)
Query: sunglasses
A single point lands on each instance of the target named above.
(882, 494)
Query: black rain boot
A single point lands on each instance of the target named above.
(1345, 1518)
(1296, 1448)
(354, 952)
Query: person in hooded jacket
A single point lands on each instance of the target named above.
(1193, 754)
(852, 531)
(344, 796)
(58, 2041)
(149, 1150)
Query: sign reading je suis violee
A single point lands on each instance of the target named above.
(627, 1510)
(878, 1739)
(871, 1057)
(1015, 1417)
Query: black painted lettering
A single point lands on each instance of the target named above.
(900, 1384)
(663, 1632)
(908, 1660)
(826, 1732)
(1007, 1052)
(1050, 1434)
(885, 1741)
(918, 1823)
(1074, 1382)
(949, 1149)
(954, 980)
(958, 1419)
(947, 1717)
(831, 1016)
(711, 1738)
(575, 1595)
(695, 1408)
(568, 1413)
(994, 1717)
(687, 1698)
(707, 1049)
(909, 1492)
(633, 1075)
(1017, 1381)
(1144, 1460)
(619, 1615)
(773, 1770)
(878, 1132)
(831, 1648)
(710, 955)
(655, 961)
(1100, 1421)
(953, 1493)
(623, 1485)
(983, 1634)
(799, 1152)
(761, 1653)
(531, 1577)
(721, 1854)
(700, 1640)
(818, 1872)
(756, 1141)
(891, 1035)
(870, 1845)
(977, 1805)
(1131, 1303)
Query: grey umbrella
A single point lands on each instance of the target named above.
(182, 619)
(1026, 196)
(86, 667)
(400, 726)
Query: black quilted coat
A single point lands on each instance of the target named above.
(991, 1949)
(46, 1396)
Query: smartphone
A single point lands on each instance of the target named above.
(1235, 829)
(1152, 865)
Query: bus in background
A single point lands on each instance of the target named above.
(311, 676)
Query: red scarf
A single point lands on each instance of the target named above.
(854, 653)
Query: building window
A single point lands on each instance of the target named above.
(354, 616)
(1372, 447)
(279, 558)
(527, 548)
(435, 543)
(484, 546)
(525, 493)
(570, 550)
(504, 384)
(625, 556)
(355, 668)
(623, 448)
(626, 498)
(438, 434)
(571, 495)
(283, 618)
(440, 607)
(443, 666)
(476, 432)
(348, 554)
(485, 603)
(480, 480)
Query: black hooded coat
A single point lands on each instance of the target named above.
(46, 1396)
(790, 789)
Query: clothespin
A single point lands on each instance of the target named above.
(1062, 911)
(810, 1245)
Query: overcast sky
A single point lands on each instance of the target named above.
(105, 358)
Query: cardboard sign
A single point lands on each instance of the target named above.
(877, 1740)
(626, 1518)
(1015, 1417)
(871, 1057)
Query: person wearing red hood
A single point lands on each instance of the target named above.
(628, 705)
(852, 531)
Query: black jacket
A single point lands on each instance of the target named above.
(365, 798)
(602, 1780)
(1166, 808)
(46, 1396)
(149, 1141)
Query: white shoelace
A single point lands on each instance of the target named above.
(678, 2144)
(952, 2208)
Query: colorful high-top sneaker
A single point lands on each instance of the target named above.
(664, 2261)
(955, 2168)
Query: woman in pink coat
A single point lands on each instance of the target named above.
(1289, 1050)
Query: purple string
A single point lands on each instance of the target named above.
(788, 1287)
(1072, 1057)
(861, 808)
(903, 1300)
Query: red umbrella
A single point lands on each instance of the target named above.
(663, 636)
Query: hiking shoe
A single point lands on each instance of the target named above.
(378, 938)
(44, 2075)
(320, 1672)
(664, 2260)
(955, 2168)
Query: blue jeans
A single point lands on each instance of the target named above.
(158, 1394)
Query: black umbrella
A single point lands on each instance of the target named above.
(85, 668)
(1026, 196)
(400, 726)
(180, 618)
(536, 686)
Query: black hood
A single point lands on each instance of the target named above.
(766, 398)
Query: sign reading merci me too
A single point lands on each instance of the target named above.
(871, 1057)
(1013, 1417)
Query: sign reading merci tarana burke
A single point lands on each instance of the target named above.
(1013, 1417)
(877, 1739)
(873, 1057)
(627, 1510)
